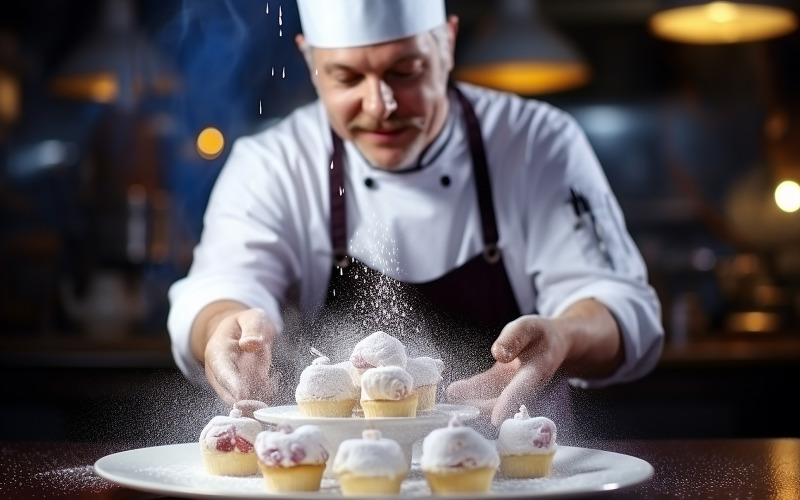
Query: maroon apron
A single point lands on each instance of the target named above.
(460, 313)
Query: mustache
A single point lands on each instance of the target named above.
(369, 124)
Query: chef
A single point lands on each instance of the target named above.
(484, 216)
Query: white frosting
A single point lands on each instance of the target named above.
(287, 448)
(379, 349)
(386, 383)
(371, 456)
(523, 435)
(425, 370)
(322, 381)
(226, 429)
(457, 447)
(355, 373)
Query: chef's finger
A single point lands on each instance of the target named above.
(257, 330)
(224, 386)
(254, 371)
(484, 385)
(248, 407)
(515, 337)
(523, 388)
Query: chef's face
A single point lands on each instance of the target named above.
(389, 99)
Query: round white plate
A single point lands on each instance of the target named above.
(177, 470)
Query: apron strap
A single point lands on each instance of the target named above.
(337, 204)
(480, 168)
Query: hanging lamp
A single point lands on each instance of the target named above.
(722, 22)
(522, 53)
(116, 64)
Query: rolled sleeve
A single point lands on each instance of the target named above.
(637, 313)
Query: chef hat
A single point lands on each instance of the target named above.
(354, 23)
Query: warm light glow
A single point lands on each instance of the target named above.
(721, 12)
(98, 87)
(210, 143)
(723, 22)
(526, 78)
(787, 196)
(784, 455)
(10, 98)
(753, 322)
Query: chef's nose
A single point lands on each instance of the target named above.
(379, 101)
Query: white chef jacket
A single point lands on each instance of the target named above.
(267, 224)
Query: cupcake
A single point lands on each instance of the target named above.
(526, 445)
(377, 349)
(227, 445)
(292, 460)
(387, 391)
(373, 465)
(458, 460)
(427, 373)
(326, 390)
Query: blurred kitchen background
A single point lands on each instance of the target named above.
(117, 115)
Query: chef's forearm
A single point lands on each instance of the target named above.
(596, 346)
(207, 322)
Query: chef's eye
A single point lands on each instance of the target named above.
(407, 70)
(346, 77)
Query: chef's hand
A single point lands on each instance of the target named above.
(235, 345)
(528, 351)
(584, 341)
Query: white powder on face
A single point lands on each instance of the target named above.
(386, 383)
(523, 435)
(371, 456)
(322, 381)
(457, 447)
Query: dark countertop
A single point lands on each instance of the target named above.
(683, 469)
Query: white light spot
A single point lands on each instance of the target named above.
(787, 196)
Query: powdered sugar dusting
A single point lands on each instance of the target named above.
(324, 381)
(371, 456)
(74, 479)
(523, 435)
(386, 383)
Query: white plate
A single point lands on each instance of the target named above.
(406, 431)
(177, 470)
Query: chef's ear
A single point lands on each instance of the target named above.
(306, 50)
(452, 34)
